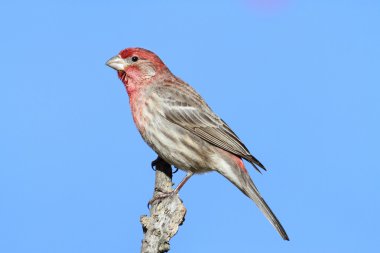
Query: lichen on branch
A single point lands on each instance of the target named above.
(166, 214)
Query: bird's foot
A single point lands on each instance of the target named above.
(161, 196)
(157, 161)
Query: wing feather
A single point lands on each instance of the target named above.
(185, 108)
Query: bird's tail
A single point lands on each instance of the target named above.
(243, 181)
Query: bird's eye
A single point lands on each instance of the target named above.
(135, 58)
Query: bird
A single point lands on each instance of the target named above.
(177, 123)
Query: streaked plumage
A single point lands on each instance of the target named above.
(181, 128)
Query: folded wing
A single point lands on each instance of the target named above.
(185, 108)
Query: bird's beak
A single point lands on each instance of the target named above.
(116, 63)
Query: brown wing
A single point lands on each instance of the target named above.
(184, 107)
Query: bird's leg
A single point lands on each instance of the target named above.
(176, 190)
(183, 182)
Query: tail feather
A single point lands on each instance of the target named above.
(251, 191)
(243, 181)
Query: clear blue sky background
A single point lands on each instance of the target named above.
(298, 81)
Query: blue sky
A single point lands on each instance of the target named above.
(298, 81)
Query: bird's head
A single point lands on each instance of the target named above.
(136, 66)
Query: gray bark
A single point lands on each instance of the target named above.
(166, 214)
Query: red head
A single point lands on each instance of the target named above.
(136, 66)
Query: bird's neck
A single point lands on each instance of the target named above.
(136, 100)
(133, 86)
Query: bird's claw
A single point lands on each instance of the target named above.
(160, 196)
(154, 163)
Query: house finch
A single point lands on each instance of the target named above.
(175, 121)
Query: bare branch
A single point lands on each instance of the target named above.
(166, 215)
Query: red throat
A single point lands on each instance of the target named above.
(123, 77)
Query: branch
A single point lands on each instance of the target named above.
(166, 215)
